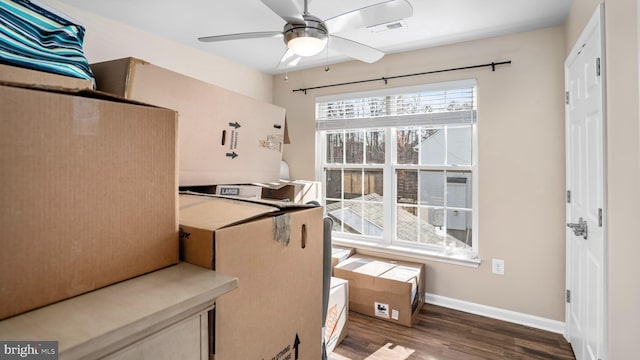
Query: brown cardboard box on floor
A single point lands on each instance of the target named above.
(275, 251)
(89, 194)
(386, 289)
(225, 137)
(337, 314)
(15, 74)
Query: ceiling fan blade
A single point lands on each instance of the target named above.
(289, 60)
(372, 15)
(289, 10)
(240, 36)
(355, 50)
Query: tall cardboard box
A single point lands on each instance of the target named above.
(89, 194)
(225, 137)
(275, 251)
(390, 290)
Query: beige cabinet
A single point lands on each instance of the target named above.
(185, 340)
(161, 315)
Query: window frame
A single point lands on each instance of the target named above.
(390, 244)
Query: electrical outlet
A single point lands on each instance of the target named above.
(497, 266)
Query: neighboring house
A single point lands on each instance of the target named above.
(458, 185)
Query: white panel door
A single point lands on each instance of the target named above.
(585, 235)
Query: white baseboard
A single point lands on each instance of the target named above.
(497, 313)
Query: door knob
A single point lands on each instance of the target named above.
(580, 228)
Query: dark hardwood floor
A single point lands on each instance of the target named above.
(445, 334)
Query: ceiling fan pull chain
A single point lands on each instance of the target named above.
(327, 68)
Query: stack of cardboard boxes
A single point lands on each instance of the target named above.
(275, 249)
(91, 197)
(386, 289)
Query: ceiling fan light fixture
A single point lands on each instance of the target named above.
(306, 45)
(306, 39)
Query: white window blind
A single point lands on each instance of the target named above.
(442, 103)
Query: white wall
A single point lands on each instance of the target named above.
(106, 39)
(521, 159)
(623, 165)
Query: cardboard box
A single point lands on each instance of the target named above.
(18, 75)
(335, 329)
(89, 194)
(275, 251)
(225, 137)
(386, 289)
(243, 191)
(296, 191)
(340, 254)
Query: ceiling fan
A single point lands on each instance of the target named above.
(306, 35)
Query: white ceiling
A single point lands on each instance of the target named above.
(434, 22)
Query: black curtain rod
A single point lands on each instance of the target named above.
(385, 79)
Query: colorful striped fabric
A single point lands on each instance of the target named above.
(33, 37)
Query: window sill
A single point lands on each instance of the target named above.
(407, 252)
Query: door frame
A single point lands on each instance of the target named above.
(596, 20)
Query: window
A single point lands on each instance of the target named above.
(398, 167)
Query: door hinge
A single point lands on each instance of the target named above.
(600, 217)
(568, 296)
(566, 97)
(568, 196)
(597, 66)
